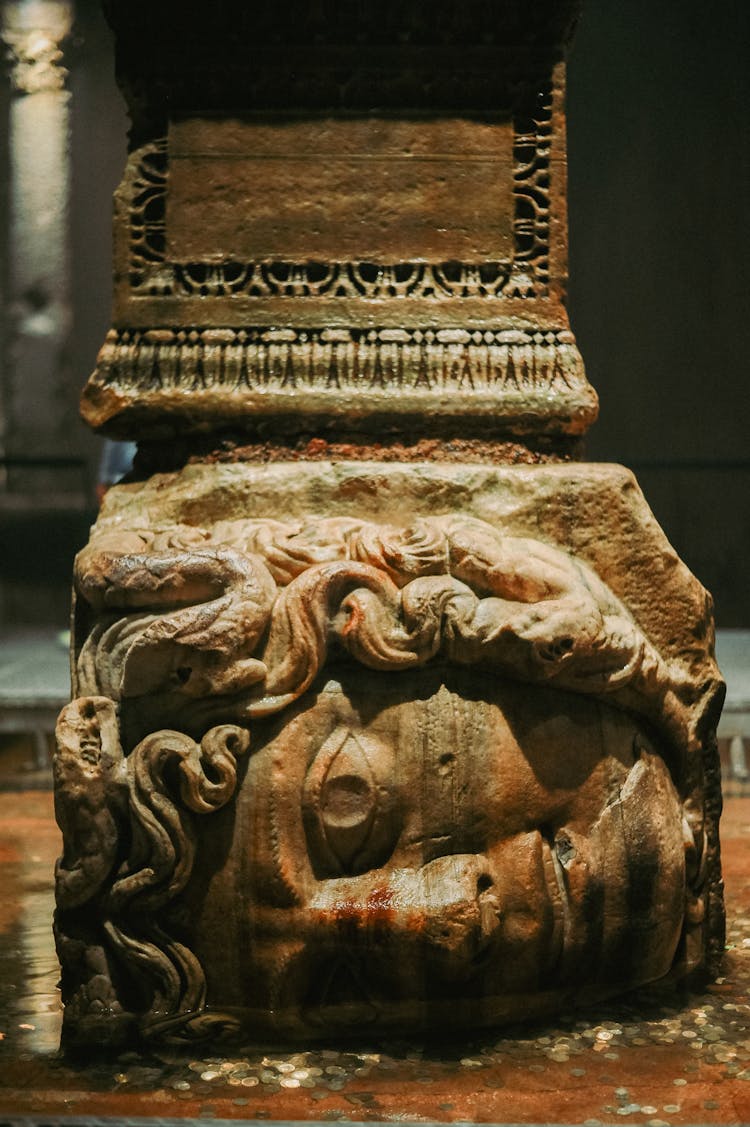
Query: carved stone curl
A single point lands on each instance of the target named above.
(129, 848)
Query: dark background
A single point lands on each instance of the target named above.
(659, 152)
(659, 203)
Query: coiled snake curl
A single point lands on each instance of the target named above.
(161, 820)
(248, 610)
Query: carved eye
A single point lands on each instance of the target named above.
(349, 805)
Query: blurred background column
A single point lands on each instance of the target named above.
(62, 129)
(37, 413)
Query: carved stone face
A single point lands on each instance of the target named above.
(408, 845)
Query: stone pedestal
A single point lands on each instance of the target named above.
(387, 713)
(343, 219)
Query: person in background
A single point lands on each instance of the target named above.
(115, 462)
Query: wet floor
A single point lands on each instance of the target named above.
(660, 1057)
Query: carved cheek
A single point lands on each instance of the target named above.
(643, 930)
(350, 805)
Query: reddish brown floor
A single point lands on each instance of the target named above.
(659, 1058)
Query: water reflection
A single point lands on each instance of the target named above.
(39, 1004)
(30, 1008)
(661, 1056)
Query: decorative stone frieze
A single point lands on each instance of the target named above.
(378, 224)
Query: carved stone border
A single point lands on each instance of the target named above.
(525, 275)
(493, 381)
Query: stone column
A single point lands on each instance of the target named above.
(34, 33)
(387, 711)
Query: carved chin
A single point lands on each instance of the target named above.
(445, 852)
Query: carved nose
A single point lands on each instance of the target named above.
(463, 910)
(449, 910)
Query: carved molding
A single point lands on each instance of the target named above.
(258, 359)
(151, 274)
(224, 344)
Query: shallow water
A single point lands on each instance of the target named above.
(660, 1057)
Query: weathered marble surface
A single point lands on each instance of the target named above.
(359, 745)
(327, 770)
